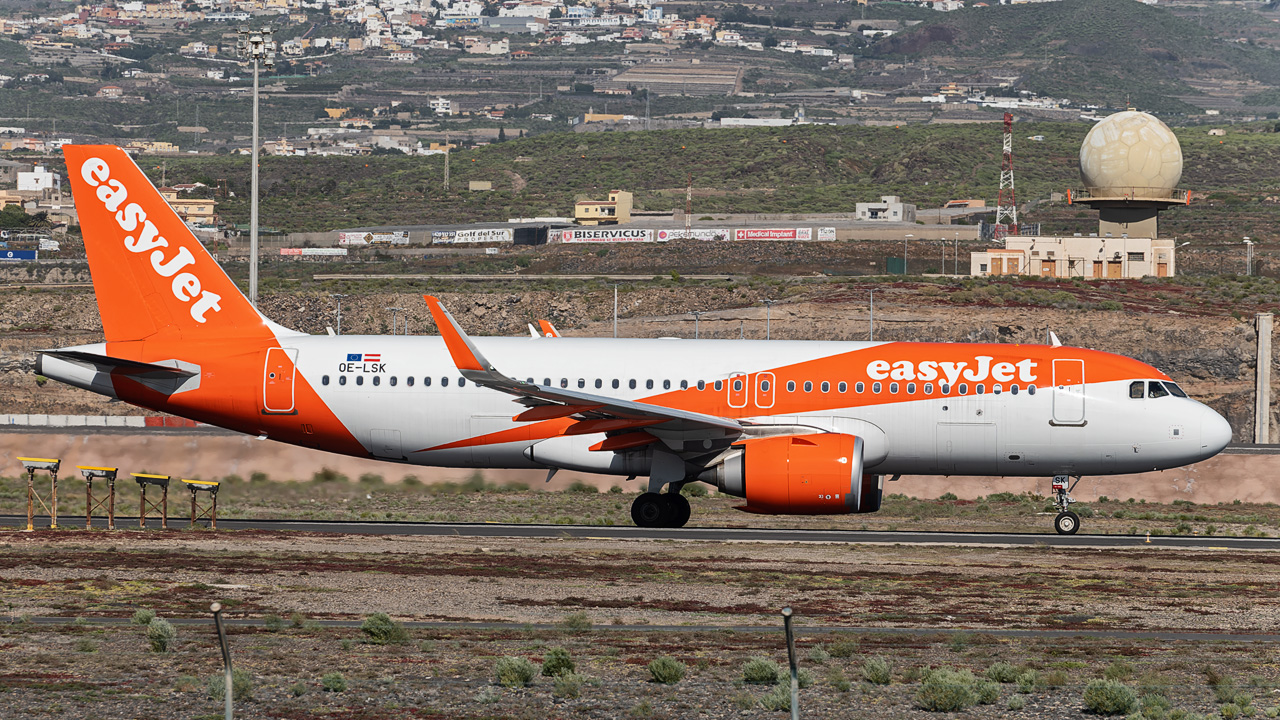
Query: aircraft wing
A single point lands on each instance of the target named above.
(551, 402)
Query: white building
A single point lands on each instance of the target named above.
(39, 179)
(444, 106)
(1077, 256)
(889, 209)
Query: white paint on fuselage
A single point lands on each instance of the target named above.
(990, 434)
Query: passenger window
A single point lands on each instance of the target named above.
(1013, 389)
(764, 386)
(719, 385)
(631, 383)
(893, 388)
(599, 383)
(1156, 390)
(997, 389)
(582, 382)
(393, 381)
(666, 384)
(1031, 389)
(342, 379)
(359, 379)
(928, 388)
(648, 384)
(791, 386)
(843, 387)
(702, 385)
(324, 380)
(377, 381)
(808, 386)
(684, 384)
(875, 388)
(964, 388)
(546, 381)
(911, 388)
(444, 382)
(859, 388)
(737, 385)
(409, 381)
(1137, 390)
(1177, 391)
(564, 382)
(615, 383)
(426, 382)
(946, 388)
(982, 389)
(826, 386)
(462, 382)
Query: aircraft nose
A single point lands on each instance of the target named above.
(1215, 432)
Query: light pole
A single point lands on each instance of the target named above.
(768, 305)
(955, 260)
(904, 252)
(394, 310)
(258, 47)
(615, 301)
(697, 315)
(338, 297)
(871, 316)
(1248, 263)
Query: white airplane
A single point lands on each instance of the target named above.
(791, 427)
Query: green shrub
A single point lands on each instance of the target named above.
(186, 683)
(577, 622)
(297, 619)
(382, 630)
(695, 489)
(946, 691)
(333, 682)
(1028, 681)
(760, 671)
(804, 678)
(273, 623)
(778, 699)
(514, 672)
(1109, 697)
(568, 685)
(297, 689)
(838, 681)
(986, 691)
(845, 647)
(241, 686)
(557, 662)
(143, 616)
(877, 671)
(160, 634)
(666, 670)
(818, 655)
(1118, 670)
(85, 645)
(580, 487)
(1230, 711)
(1016, 702)
(1003, 672)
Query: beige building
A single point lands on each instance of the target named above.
(1078, 256)
(615, 210)
(197, 211)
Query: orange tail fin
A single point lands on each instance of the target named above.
(152, 276)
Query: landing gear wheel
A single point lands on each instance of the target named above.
(1067, 523)
(651, 510)
(679, 508)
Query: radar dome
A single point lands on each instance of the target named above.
(1130, 154)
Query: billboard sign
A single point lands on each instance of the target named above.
(594, 235)
(479, 235)
(827, 233)
(18, 254)
(324, 252)
(773, 234)
(395, 237)
(712, 234)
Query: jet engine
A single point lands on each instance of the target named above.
(818, 474)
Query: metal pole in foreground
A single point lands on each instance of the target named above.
(768, 319)
(226, 655)
(253, 205)
(615, 311)
(791, 658)
(871, 317)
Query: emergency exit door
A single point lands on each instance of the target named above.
(1068, 392)
(277, 380)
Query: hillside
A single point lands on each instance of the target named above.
(797, 169)
(1095, 51)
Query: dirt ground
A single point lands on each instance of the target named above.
(594, 598)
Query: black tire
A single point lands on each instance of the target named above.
(1067, 523)
(650, 510)
(678, 506)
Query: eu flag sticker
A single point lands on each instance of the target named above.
(353, 357)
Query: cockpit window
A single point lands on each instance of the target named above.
(1137, 390)
(1177, 391)
(1155, 389)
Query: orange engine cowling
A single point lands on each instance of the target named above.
(800, 475)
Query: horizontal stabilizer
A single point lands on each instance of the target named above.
(119, 366)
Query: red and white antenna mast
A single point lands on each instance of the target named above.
(1007, 204)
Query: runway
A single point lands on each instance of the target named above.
(710, 534)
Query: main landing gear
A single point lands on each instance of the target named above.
(661, 510)
(1067, 522)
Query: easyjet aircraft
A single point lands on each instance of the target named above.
(791, 427)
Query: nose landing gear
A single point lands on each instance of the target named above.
(1067, 522)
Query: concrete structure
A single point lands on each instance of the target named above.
(1130, 164)
(1078, 256)
(444, 106)
(615, 210)
(1262, 387)
(890, 208)
(39, 179)
(9, 171)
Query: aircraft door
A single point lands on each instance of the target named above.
(277, 380)
(738, 390)
(1068, 392)
(764, 390)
